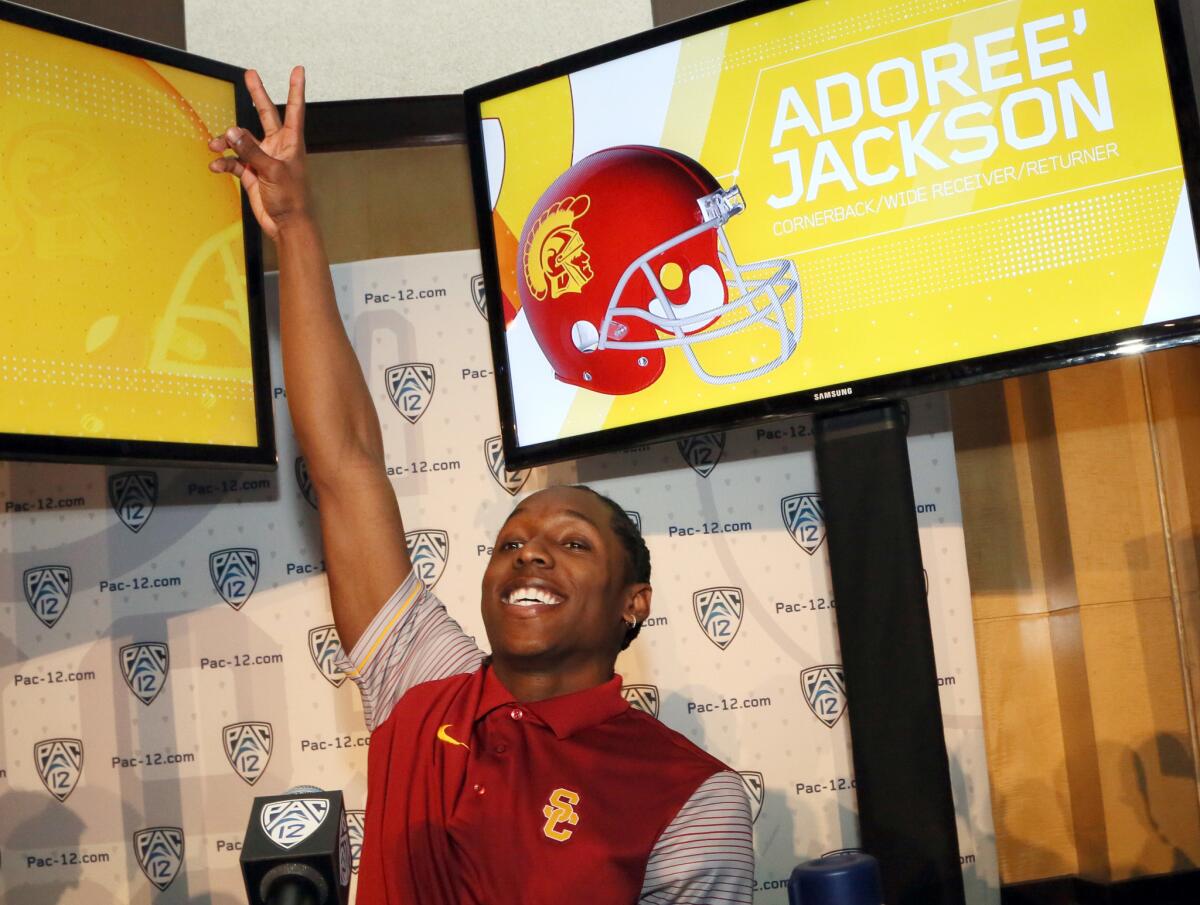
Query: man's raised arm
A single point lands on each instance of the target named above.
(334, 418)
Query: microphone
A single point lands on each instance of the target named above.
(297, 849)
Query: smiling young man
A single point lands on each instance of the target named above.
(519, 777)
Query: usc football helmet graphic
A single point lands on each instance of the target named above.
(626, 255)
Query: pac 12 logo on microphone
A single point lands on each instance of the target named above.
(159, 851)
(719, 612)
(428, 549)
(642, 697)
(825, 692)
(133, 495)
(59, 764)
(493, 454)
(805, 520)
(288, 823)
(48, 592)
(325, 647)
(410, 387)
(248, 748)
(355, 820)
(702, 452)
(234, 573)
(144, 666)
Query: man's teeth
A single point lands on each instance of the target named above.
(532, 597)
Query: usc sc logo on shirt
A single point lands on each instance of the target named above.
(561, 809)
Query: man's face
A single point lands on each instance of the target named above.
(554, 590)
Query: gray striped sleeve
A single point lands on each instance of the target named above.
(706, 854)
(411, 640)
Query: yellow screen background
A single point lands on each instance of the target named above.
(1015, 250)
(123, 309)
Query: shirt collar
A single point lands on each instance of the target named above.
(565, 714)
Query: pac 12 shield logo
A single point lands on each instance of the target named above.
(47, 591)
(804, 519)
(479, 295)
(144, 665)
(355, 820)
(493, 454)
(642, 697)
(428, 549)
(825, 692)
(305, 482)
(756, 791)
(719, 612)
(410, 387)
(636, 518)
(59, 764)
(248, 748)
(133, 495)
(702, 452)
(288, 823)
(159, 851)
(325, 647)
(234, 573)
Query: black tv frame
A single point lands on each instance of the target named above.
(50, 448)
(844, 396)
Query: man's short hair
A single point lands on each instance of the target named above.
(637, 554)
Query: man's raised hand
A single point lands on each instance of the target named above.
(272, 172)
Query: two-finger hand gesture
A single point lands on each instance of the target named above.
(271, 171)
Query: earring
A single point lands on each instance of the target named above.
(631, 621)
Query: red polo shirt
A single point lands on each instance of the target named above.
(476, 798)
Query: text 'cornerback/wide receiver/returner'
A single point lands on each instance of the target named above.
(491, 779)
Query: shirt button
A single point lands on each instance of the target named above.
(479, 790)
(500, 749)
(517, 713)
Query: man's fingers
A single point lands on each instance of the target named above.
(294, 112)
(227, 165)
(268, 114)
(248, 149)
(217, 144)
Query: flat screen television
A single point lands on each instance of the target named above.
(132, 325)
(778, 208)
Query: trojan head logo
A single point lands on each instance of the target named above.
(133, 495)
(479, 296)
(560, 810)
(755, 789)
(719, 612)
(47, 591)
(59, 762)
(805, 520)
(325, 647)
(355, 820)
(636, 518)
(825, 692)
(428, 550)
(555, 259)
(493, 454)
(702, 452)
(288, 823)
(306, 485)
(234, 573)
(248, 747)
(642, 697)
(159, 851)
(410, 387)
(144, 666)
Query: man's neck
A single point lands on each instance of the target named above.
(531, 682)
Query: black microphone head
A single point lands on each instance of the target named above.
(298, 837)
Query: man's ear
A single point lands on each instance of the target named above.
(637, 602)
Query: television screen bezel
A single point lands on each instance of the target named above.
(868, 391)
(54, 448)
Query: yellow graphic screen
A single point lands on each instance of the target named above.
(123, 301)
(919, 183)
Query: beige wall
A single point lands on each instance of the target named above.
(1079, 506)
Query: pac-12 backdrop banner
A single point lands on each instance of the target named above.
(166, 646)
(874, 186)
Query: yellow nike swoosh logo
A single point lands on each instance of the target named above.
(445, 737)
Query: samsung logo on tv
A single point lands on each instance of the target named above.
(833, 394)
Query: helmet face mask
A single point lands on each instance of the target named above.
(649, 268)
